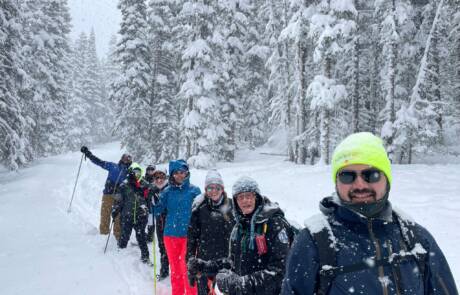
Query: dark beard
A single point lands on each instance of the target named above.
(352, 193)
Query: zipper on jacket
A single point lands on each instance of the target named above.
(135, 209)
(378, 256)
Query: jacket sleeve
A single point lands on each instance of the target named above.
(269, 280)
(302, 266)
(438, 276)
(162, 204)
(103, 164)
(193, 234)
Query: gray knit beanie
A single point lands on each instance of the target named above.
(213, 177)
(245, 184)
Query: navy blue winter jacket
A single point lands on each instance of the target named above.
(358, 239)
(117, 173)
(176, 201)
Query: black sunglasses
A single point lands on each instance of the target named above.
(368, 175)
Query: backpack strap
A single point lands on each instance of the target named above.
(327, 260)
(328, 268)
(410, 237)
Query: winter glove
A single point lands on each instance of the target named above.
(85, 151)
(229, 282)
(144, 210)
(191, 271)
(193, 266)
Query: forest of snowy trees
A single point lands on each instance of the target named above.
(200, 79)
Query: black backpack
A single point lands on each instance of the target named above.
(328, 260)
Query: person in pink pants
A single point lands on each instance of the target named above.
(176, 200)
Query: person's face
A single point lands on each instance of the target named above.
(361, 184)
(126, 159)
(179, 176)
(159, 179)
(149, 172)
(214, 191)
(247, 202)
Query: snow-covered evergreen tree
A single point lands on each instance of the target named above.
(202, 121)
(131, 92)
(162, 39)
(78, 109)
(13, 124)
(47, 24)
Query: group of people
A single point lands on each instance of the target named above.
(243, 243)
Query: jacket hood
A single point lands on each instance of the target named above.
(176, 165)
(332, 206)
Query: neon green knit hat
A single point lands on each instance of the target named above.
(361, 148)
(137, 166)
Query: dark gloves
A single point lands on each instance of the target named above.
(85, 150)
(229, 282)
(207, 267)
(192, 270)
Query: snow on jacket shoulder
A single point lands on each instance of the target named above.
(357, 239)
(263, 272)
(117, 173)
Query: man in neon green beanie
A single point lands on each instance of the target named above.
(361, 171)
(359, 244)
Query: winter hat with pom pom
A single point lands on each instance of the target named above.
(213, 177)
(245, 184)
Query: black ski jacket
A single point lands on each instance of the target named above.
(209, 229)
(133, 201)
(263, 272)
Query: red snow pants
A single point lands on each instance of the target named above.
(176, 249)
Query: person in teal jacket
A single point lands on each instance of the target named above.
(176, 200)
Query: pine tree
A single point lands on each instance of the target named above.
(202, 120)
(47, 24)
(94, 92)
(330, 28)
(162, 40)
(79, 133)
(132, 90)
(424, 131)
(13, 151)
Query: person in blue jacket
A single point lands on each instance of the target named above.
(117, 173)
(176, 200)
(360, 244)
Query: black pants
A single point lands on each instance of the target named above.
(159, 225)
(127, 225)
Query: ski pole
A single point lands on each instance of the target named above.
(154, 259)
(75, 186)
(108, 237)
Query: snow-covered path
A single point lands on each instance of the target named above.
(45, 250)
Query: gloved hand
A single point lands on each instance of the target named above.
(193, 266)
(229, 282)
(144, 210)
(191, 271)
(85, 150)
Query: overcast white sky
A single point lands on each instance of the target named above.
(103, 15)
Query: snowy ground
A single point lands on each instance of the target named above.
(46, 250)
